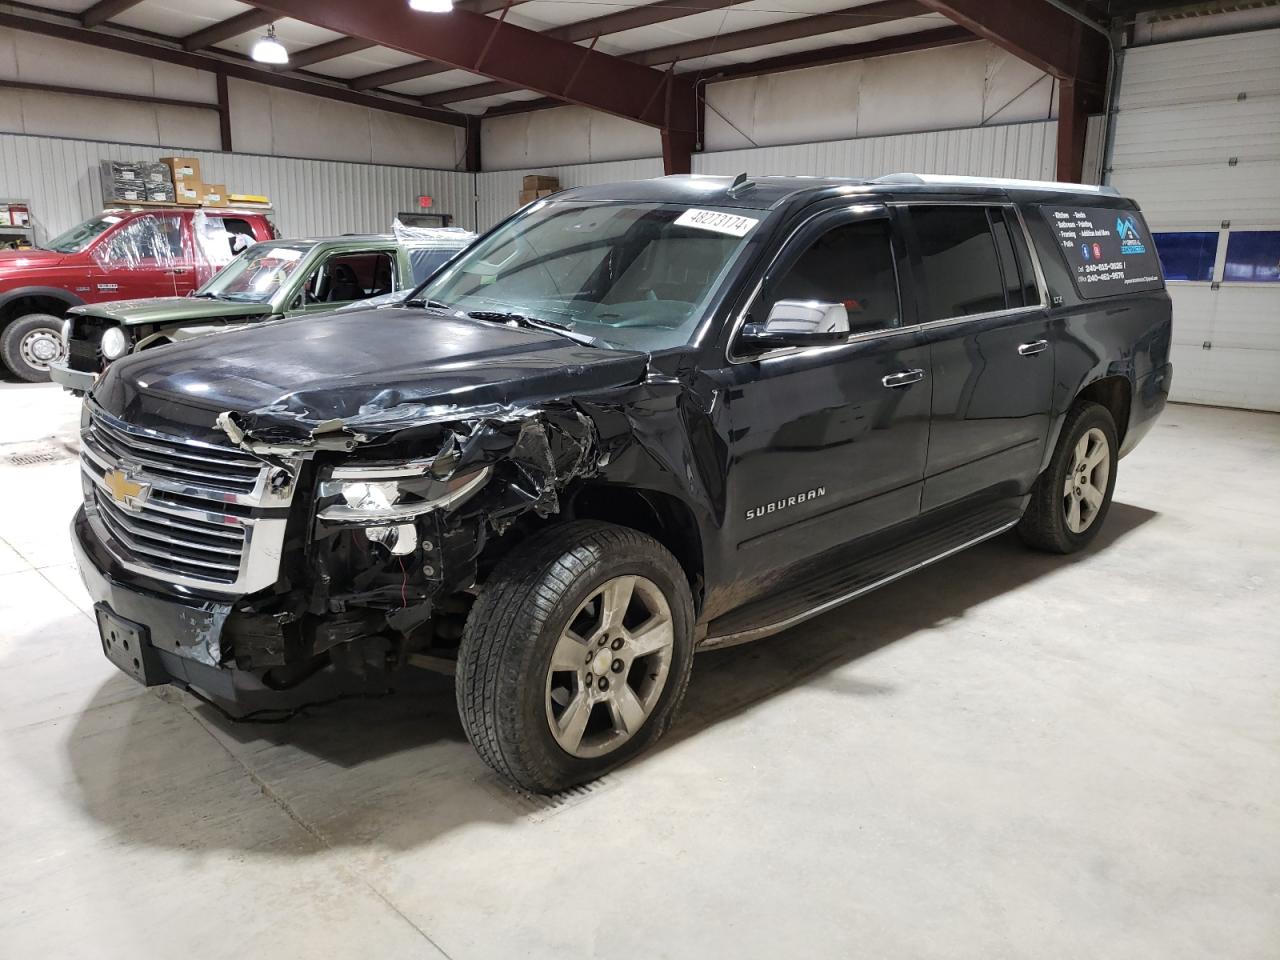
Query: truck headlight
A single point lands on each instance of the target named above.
(114, 343)
(391, 494)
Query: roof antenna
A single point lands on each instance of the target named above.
(740, 182)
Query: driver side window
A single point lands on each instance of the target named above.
(850, 266)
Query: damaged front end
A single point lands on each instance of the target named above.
(403, 507)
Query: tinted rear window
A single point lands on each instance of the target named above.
(961, 263)
(1109, 252)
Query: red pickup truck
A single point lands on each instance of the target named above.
(124, 254)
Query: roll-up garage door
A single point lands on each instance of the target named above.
(1197, 144)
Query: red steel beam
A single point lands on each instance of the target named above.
(627, 19)
(240, 68)
(328, 51)
(226, 29)
(104, 10)
(510, 54)
(1037, 32)
(883, 11)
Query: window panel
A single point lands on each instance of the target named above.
(1253, 256)
(1008, 262)
(961, 269)
(1187, 256)
(850, 265)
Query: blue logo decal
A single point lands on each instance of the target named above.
(1084, 250)
(1130, 241)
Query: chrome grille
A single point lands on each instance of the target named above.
(182, 511)
(221, 469)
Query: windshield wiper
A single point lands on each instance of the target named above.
(537, 323)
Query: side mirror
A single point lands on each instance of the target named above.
(798, 323)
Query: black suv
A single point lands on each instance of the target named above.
(631, 422)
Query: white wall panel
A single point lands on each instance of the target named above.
(498, 192)
(961, 86)
(311, 197)
(563, 135)
(265, 119)
(1026, 150)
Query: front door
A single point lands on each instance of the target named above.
(991, 353)
(828, 443)
(146, 256)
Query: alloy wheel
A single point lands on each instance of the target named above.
(1085, 489)
(609, 667)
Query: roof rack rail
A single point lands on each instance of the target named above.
(941, 179)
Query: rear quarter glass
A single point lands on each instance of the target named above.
(1108, 252)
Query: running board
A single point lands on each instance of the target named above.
(779, 611)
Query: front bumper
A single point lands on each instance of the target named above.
(77, 381)
(186, 634)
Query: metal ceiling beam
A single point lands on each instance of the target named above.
(509, 54)
(226, 29)
(884, 11)
(328, 51)
(231, 65)
(1035, 31)
(104, 10)
(627, 19)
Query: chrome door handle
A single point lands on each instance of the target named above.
(903, 379)
(1032, 348)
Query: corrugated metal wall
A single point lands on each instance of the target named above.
(498, 191)
(1025, 150)
(311, 197)
(1009, 150)
(1197, 144)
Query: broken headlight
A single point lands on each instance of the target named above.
(387, 494)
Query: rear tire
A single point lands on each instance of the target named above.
(30, 343)
(1071, 499)
(576, 654)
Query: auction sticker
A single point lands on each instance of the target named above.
(717, 221)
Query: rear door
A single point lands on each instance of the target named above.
(987, 327)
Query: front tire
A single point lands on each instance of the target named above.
(30, 344)
(576, 654)
(1070, 500)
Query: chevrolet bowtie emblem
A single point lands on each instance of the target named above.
(128, 493)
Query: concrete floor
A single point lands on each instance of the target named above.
(1007, 755)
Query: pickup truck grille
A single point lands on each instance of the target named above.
(185, 512)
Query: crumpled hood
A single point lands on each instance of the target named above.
(381, 369)
(171, 310)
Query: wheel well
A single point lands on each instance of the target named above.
(1114, 394)
(660, 515)
(21, 306)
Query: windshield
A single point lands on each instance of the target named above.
(634, 275)
(79, 237)
(256, 275)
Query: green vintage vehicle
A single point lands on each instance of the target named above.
(269, 280)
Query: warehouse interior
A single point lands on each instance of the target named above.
(1004, 754)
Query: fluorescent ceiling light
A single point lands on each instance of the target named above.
(268, 49)
(431, 6)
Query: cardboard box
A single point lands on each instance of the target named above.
(215, 195)
(528, 196)
(535, 181)
(183, 169)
